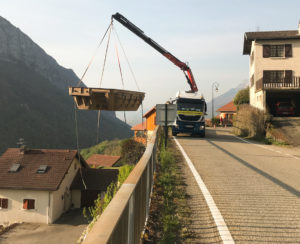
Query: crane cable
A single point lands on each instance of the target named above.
(101, 79)
(95, 52)
(121, 78)
(75, 108)
(130, 68)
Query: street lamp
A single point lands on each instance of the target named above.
(214, 86)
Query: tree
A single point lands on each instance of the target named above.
(242, 97)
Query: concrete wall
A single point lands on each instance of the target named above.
(15, 211)
(258, 64)
(61, 199)
(76, 198)
(150, 122)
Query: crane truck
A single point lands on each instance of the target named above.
(191, 106)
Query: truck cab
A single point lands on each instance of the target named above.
(191, 110)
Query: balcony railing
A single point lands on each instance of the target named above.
(263, 84)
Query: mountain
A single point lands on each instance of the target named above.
(223, 99)
(34, 100)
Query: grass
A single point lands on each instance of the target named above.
(169, 211)
(129, 150)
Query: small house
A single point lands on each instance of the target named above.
(226, 113)
(101, 160)
(35, 184)
(140, 132)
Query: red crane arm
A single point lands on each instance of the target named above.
(183, 66)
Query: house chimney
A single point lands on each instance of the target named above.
(22, 146)
(23, 149)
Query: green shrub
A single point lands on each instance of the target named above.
(242, 97)
(215, 121)
(249, 122)
(131, 151)
(124, 171)
(101, 204)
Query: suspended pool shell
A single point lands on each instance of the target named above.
(106, 99)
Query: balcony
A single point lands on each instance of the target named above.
(285, 84)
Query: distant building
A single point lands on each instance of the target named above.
(140, 132)
(38, 185)
(101, 160)
(143, 130)
(150, 120)
(274, 68)
(226, 113)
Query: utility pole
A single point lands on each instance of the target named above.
(215, 86)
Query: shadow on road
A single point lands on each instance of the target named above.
(72, 217)
(259, 171)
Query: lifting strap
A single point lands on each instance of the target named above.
(130, 68)
(121, 78)
(101, 79)
(93, 57)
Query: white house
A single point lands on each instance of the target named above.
(35, 184)
(274, 68)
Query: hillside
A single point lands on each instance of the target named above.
(34, 100)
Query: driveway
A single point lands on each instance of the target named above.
(66, 230)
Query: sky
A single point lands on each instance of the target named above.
(206, 34)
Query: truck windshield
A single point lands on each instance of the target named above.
(190, 105)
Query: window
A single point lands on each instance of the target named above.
(3, 203)
(277, 50)
(279, 76)
(28, 204)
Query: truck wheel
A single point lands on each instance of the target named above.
(202, 134)
(174, 134)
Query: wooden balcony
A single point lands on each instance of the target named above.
(285, 84)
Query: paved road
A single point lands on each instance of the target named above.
(66, 230)
(255, 187)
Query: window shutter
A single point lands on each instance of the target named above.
(4, 203)
(288, 50)
(266, 76)
(266, 51)
(288, 76)
(25, 204)
(30, 204)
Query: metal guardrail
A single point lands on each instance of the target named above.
(124, 219)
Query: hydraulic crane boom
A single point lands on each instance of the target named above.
(183, 66)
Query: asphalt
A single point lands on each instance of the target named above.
(291, 128)
(256, 187)
(66, 230)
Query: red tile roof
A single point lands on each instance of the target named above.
(57, 161)
(229, 107)
(102, 160)
(141, 126)
(151, 111)
(94, 179)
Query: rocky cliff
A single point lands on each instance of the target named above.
(34, 101)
